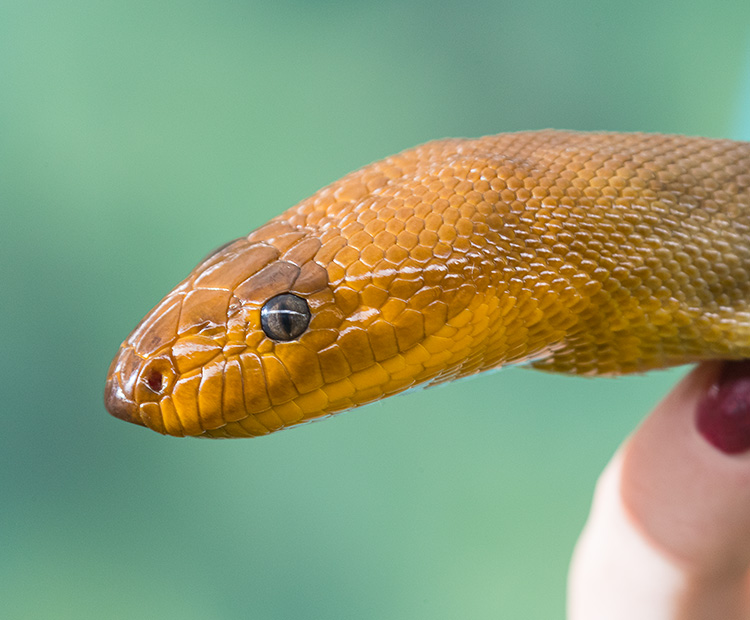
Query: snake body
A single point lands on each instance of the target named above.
(574, 252)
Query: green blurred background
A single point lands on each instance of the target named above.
(137, 136)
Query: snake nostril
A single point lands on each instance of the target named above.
(154, 380)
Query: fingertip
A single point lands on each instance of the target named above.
(686, 475)
(670, 523)
(723, 412)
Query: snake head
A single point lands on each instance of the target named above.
(294, 323)
(346, 298)
(232, 350)
(261, 336)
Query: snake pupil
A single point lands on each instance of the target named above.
(285, 317)
(286, 322)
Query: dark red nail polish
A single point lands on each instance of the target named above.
(723, 416)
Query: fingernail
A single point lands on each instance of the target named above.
(723, 416)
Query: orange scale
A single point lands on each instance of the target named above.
(367, 213)
(392, 308)
(411, 197)
(193, 352)
(424, 209)
(270, 420)
(233, 398)
(159, 328)
(447, 233)
(373, 296)
(210, 395)
(385, 213)
(372, 255)
(333, 364)
(347, 299)
(301, 365)
(336, 273)
(360, 240)
(346, 256)
(383, 342)
(279, 384)
(317, 339)
(394, 226)
(385, 272)
(396, 255)
(406, 240)
(451, 214)
(185, 401)
(384, 240)
(404, 288)
(358, 275)
(329, 249)
(203, 306)
(414, 225)
(455, 202)
(249, 426)
(404, 214)
(303, 251)
(428, 238)
(463, 187)
(313, 404)
(341, 390)
(350, 226)
(423, 297)
(440, 205)
(470, 200)
(375, 227)
(172, 424)
(312, 278)
(271, 280)
(351, 191)
(441, 250)
(355, 346)
(254, 384)
(409, 328)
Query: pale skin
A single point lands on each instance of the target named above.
(668, 537)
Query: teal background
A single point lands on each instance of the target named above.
(137, 136)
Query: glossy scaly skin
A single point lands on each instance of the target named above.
(579, 253)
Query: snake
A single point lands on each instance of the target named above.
(571, 252)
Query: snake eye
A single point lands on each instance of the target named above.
(284, 317)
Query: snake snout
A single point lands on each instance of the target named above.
(118, 391)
